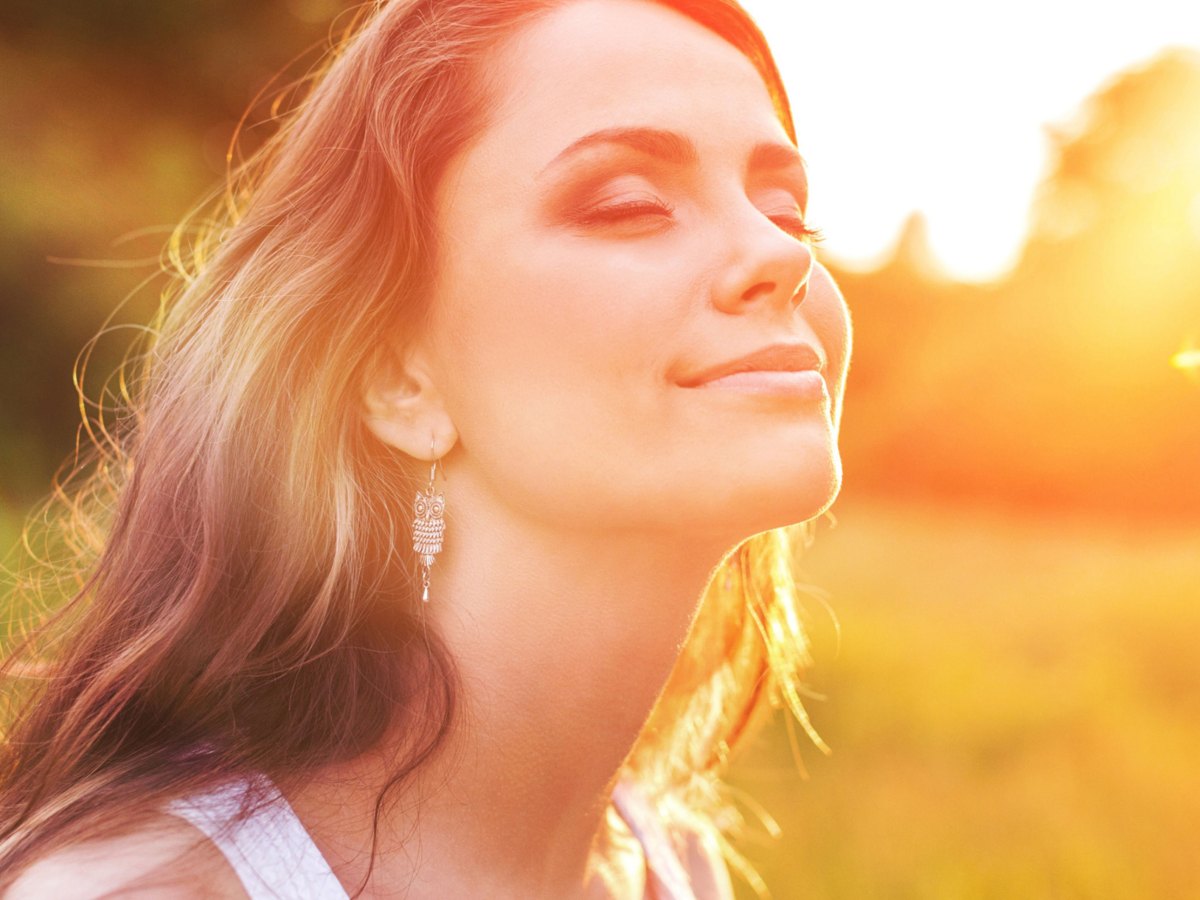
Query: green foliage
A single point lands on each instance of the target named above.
(117, 120)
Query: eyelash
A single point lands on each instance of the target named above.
(793, 225)
(799, 229)
(628, 209)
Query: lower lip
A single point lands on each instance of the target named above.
(807, 383)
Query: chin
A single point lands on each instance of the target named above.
(799, 481)
(804, 498)
(785, 496)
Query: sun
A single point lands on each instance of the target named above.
(941, 107)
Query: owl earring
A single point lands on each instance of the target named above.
(429, 526)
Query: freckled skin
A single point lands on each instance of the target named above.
(556, 338)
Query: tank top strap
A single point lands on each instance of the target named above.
(270, 850)
(275, 857)
(677, 869)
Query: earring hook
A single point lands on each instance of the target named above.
(433, 465)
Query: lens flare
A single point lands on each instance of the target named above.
(1186, 359)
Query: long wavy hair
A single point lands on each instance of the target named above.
(230, 542)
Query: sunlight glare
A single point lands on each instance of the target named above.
(1187, 359)
(941, 107)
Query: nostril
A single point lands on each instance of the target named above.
(762, 289)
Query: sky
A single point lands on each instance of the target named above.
(941, 106)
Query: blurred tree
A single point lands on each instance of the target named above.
(1050, 388)
(1053, 387)
(117, 119)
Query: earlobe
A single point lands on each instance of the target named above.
(403, 407)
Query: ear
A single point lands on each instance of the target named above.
(403, 407)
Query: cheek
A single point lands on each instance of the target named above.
(526, 318)
(555, 355)
(537, 303)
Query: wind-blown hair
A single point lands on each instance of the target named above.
(238, 597)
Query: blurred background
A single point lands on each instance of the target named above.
(1006, 633)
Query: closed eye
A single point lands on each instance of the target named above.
(797, 227)
(627, 210)
(622, 211)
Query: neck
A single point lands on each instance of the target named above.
(563, 642)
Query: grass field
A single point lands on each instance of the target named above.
(1013, 708)
(1014, 711)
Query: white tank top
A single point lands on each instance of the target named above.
(276, 859)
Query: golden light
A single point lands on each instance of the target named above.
(942, 107)
(1188, 360)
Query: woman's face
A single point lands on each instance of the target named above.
(625, 228)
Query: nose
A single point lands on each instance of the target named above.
(762, 265)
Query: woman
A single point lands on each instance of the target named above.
(544, 266)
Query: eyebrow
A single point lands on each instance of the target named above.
(669, 146)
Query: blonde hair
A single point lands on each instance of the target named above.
(231, 542)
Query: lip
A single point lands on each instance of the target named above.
(774, 358)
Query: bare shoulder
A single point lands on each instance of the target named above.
(165, 858)
(699, 849)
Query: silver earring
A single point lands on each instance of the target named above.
(429, 526)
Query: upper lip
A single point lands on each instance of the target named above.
(785, 357)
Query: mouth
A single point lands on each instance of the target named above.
(788, 369)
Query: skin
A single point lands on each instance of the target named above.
(589, 494)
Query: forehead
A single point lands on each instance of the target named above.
(595, 64)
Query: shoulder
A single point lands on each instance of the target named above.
(699, 849)
(164, 858)
(682, 849)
